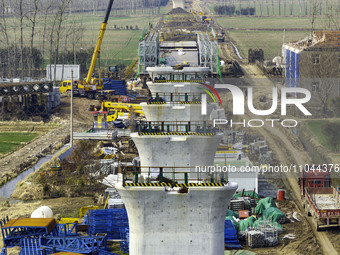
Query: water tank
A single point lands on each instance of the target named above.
(42, 212)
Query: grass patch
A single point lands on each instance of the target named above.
(316, 127)
(241, 22)
(269, 41)
(10, 141)
(267, 33)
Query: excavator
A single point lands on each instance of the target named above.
(90, 87)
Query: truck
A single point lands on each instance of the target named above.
(320, 200)
(91, 87)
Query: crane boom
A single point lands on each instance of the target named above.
(99, 42)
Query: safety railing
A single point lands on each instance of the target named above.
(181, 98)
(174, 128)
(158, 176)
(164, 80)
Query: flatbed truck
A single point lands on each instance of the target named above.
(320, 200)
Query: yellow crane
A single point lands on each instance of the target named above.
(120, 110)
(89, 85)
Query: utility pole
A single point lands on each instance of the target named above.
(71, 113)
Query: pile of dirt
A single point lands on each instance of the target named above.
(177, 10)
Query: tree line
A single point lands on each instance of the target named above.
(329, 8)
(34, 33)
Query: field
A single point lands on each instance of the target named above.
(316, 127)
(119, 46)
(267, 33)
(287, 8)
(10, 141)
(269, 41)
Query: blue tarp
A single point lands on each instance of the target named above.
(230, 235)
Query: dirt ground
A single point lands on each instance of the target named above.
(287, 150)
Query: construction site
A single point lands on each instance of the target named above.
(163, 156)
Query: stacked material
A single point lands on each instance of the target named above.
(255, 239)
(108, 221)
(124, 244)
(118, 86)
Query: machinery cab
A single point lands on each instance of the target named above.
(100, 119)
(65, 86)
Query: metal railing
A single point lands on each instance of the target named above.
(161, 97)
(170, 176)
(189, 127)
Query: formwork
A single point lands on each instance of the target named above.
(31, 98)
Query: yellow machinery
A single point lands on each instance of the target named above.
(120, 110)
(129, 69)
(90, 84)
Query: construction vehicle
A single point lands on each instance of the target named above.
(120, 110)
(320, 199)
(220, 36)
(111, 113)
(130, 69)
(90, 87)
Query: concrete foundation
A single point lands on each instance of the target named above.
(170, 223)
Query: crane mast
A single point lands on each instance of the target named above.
(99, 42)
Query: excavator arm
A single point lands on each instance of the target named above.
(99, 42)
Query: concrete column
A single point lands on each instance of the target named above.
(176, 151)
(166, 222)
(176, 112)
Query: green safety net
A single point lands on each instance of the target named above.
(249, 193)
(264, 204)
(231, 213)
(273, 214)
(247, 223)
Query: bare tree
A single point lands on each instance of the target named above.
(5, 34)
(261, 7)
(285, 7)
(32, 17)
(315, 5)
(279, 7)
(291, 7)
(59, 20)
(322, 76)
(21, 16)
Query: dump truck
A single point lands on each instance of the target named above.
(320, 200)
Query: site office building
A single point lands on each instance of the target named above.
(314, 63)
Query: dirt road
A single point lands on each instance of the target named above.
(287, 149)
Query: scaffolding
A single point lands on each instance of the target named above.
(148, 52)
(208, 51)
